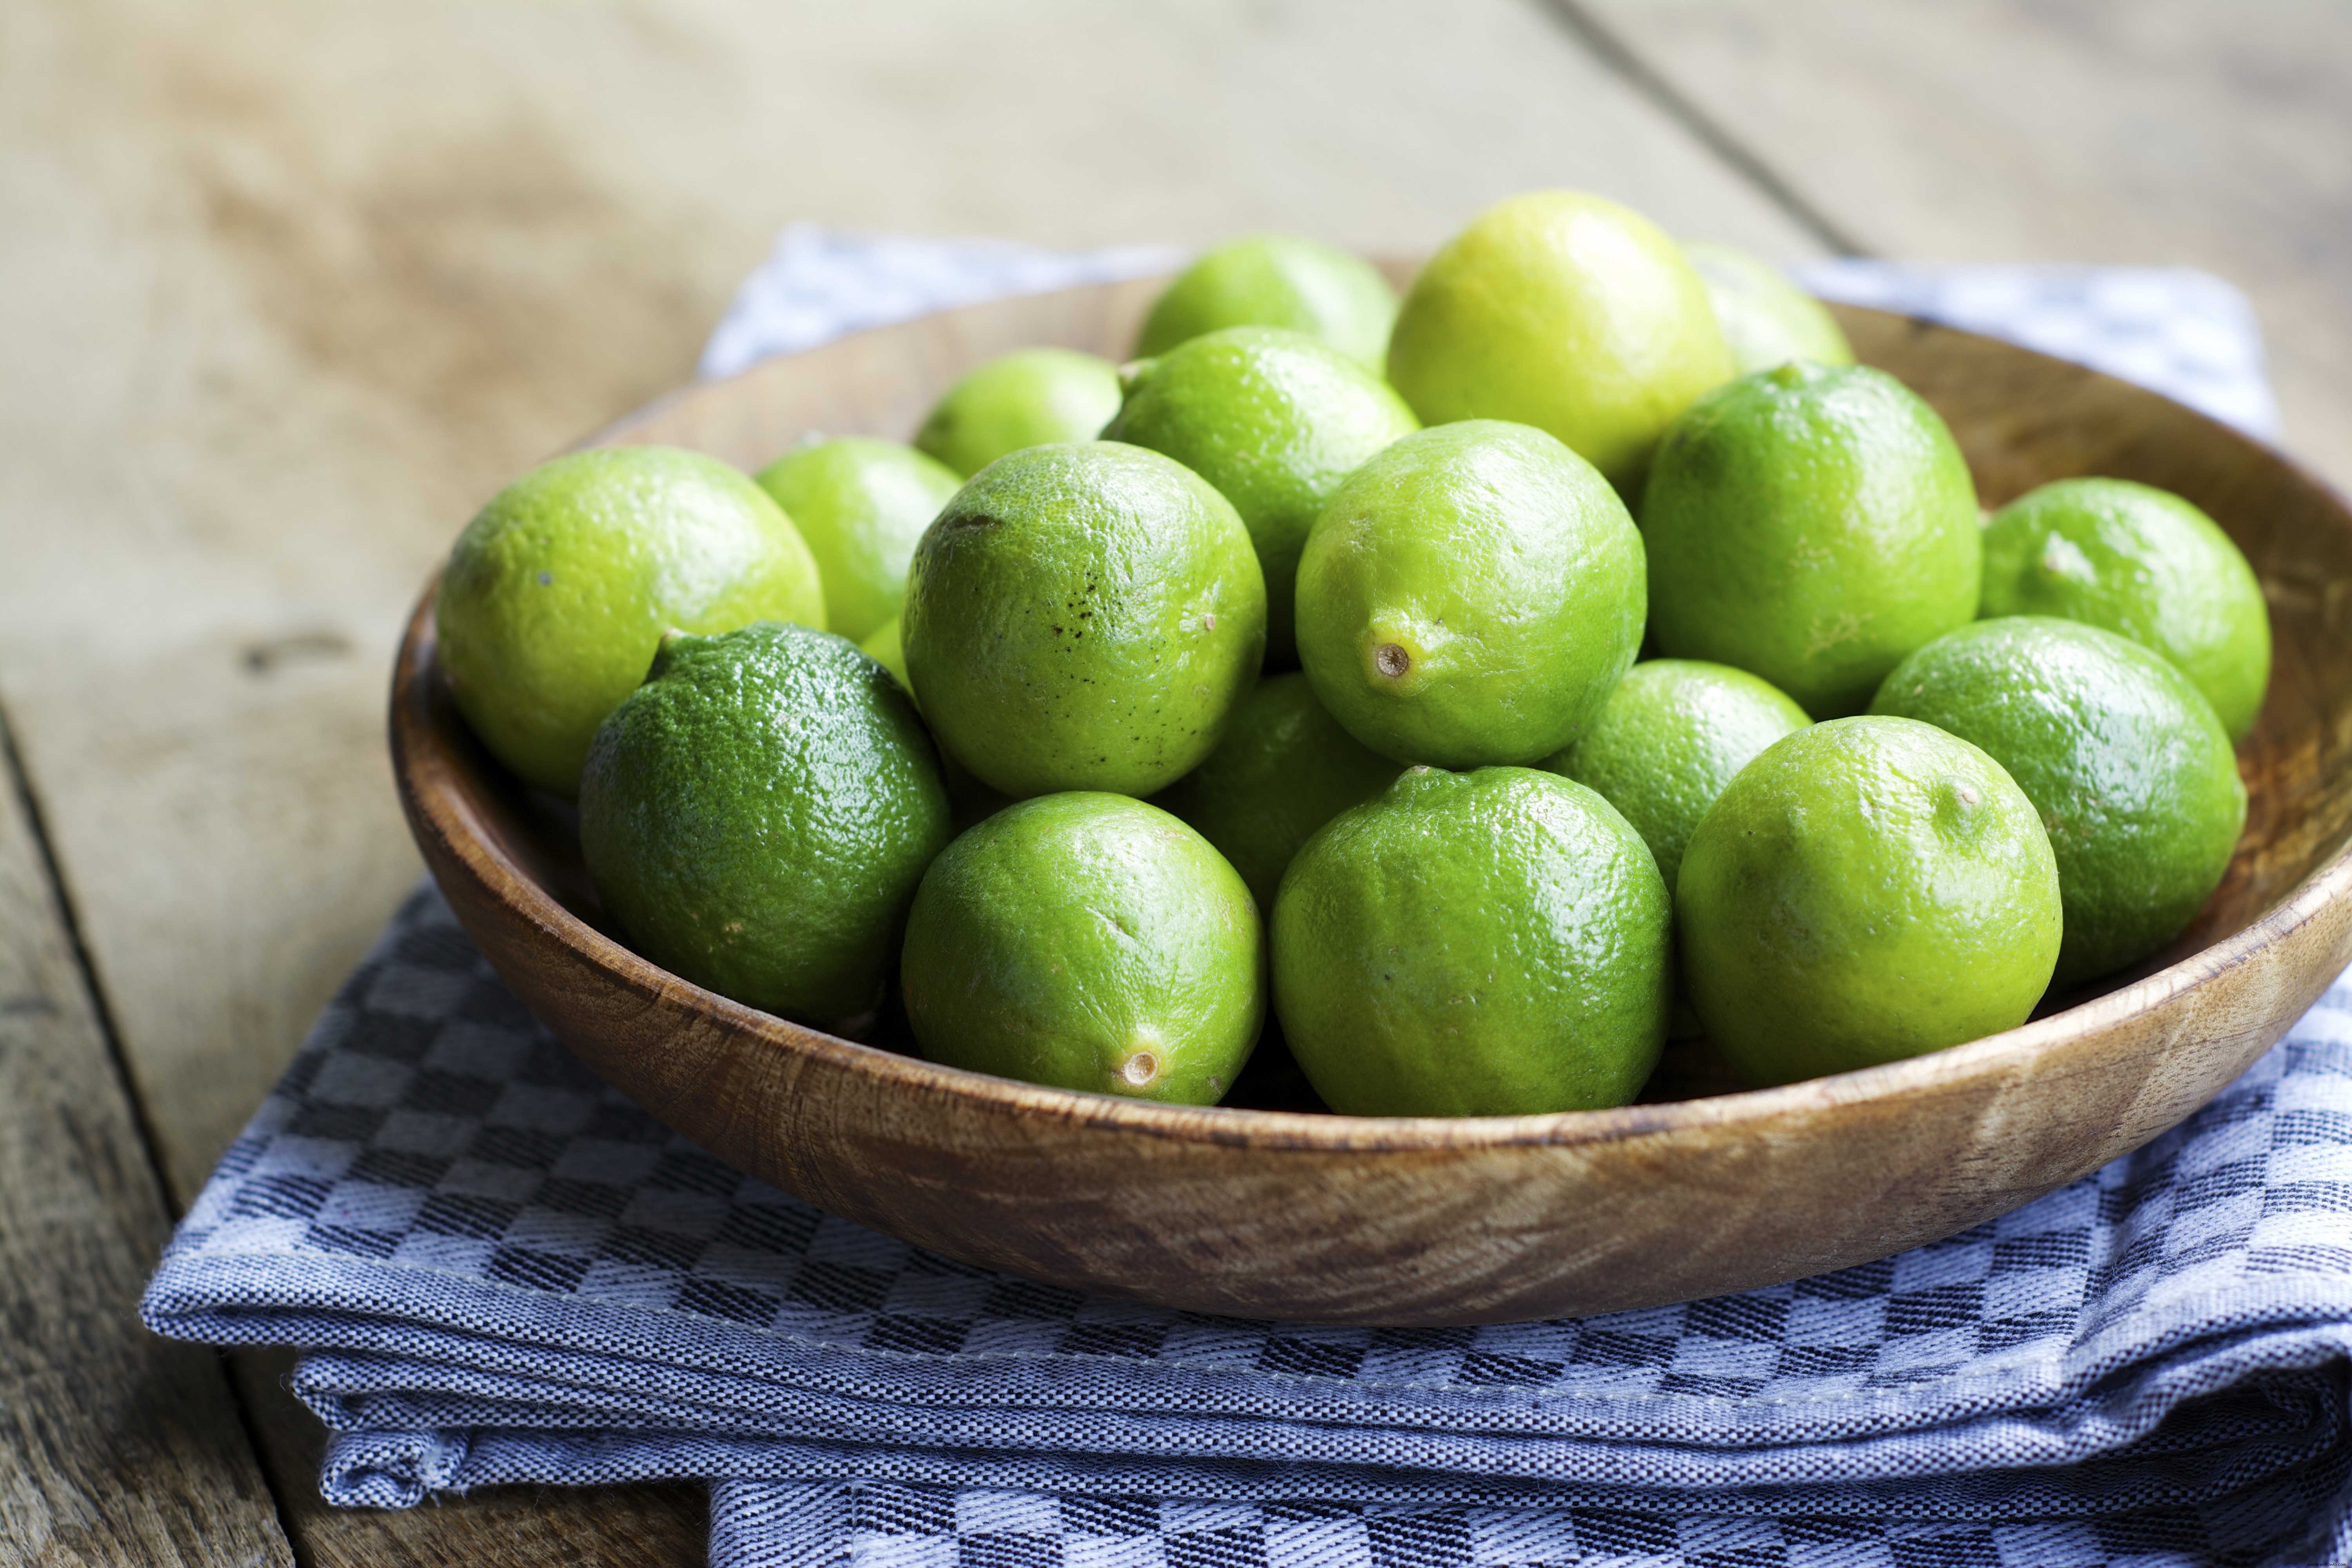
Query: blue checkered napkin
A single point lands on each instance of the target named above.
(818, 283)
(2187, 335)
(504, 1271)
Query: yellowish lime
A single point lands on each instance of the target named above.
(557, 592)
(1469, 596)
(1274, 420)
(861, 504)
(1566, 312)
(2144, 564)
(1669, 739)
(1277, 280)
(1285, 769)
(1767, 320)
(1026, 398)
(1088, 941)
(1866, 890)
(1084, 616)
(1490, 943)
(1811, 526)
(2124, 758)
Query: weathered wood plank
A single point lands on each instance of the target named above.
(115, 1447)
(2211, 136)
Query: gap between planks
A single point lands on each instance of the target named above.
(116, 1446)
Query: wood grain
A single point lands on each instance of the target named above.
(116, 1446)
(1273, 1214)
(2210, 136)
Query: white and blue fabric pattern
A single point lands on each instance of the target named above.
(505, 1272)
(818, 283)
(2187, 334)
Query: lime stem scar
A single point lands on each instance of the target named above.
(1391, 660)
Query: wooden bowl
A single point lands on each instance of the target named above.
(1289, 1215)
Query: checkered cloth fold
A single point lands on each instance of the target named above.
(503, 1271)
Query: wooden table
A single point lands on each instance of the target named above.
(286, 290)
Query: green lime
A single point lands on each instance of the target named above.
(882, 645)
(1277, 280)
(1274, 420)
(1866, 890)
(1566, 312)
(1669, 739)
(1813, 526)
(757, 816)
(557, 591)
(1490, 944)
(1084, 616)
(1026, 398)
(1283, 770)
(2125, 759)
(2145, 564)
(1767, 320)
(970, 800)
(1088, 941)
(1469, 596)
(861, 504)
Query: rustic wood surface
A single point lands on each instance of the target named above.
(1442, 1221)
(115, 1447)
(288, 291)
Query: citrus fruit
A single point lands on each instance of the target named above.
(882, 645)
(1084, 616)
(969, 800)
(2125, 761)
(1025, 399)
(1088, 941)
(1666, 741)
(2143, 564)
(1274, 420)
(861, 504)
(1469, 596)
(1490, 943)
(557, 591)
(1767, 320)
(1866, 890)
(1566, 312)
(1277, 280)
(1811, 525)
(757, 815)
(1283, 769)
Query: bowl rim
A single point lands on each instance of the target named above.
(437, 796)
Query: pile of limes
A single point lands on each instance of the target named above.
(1291, 670)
